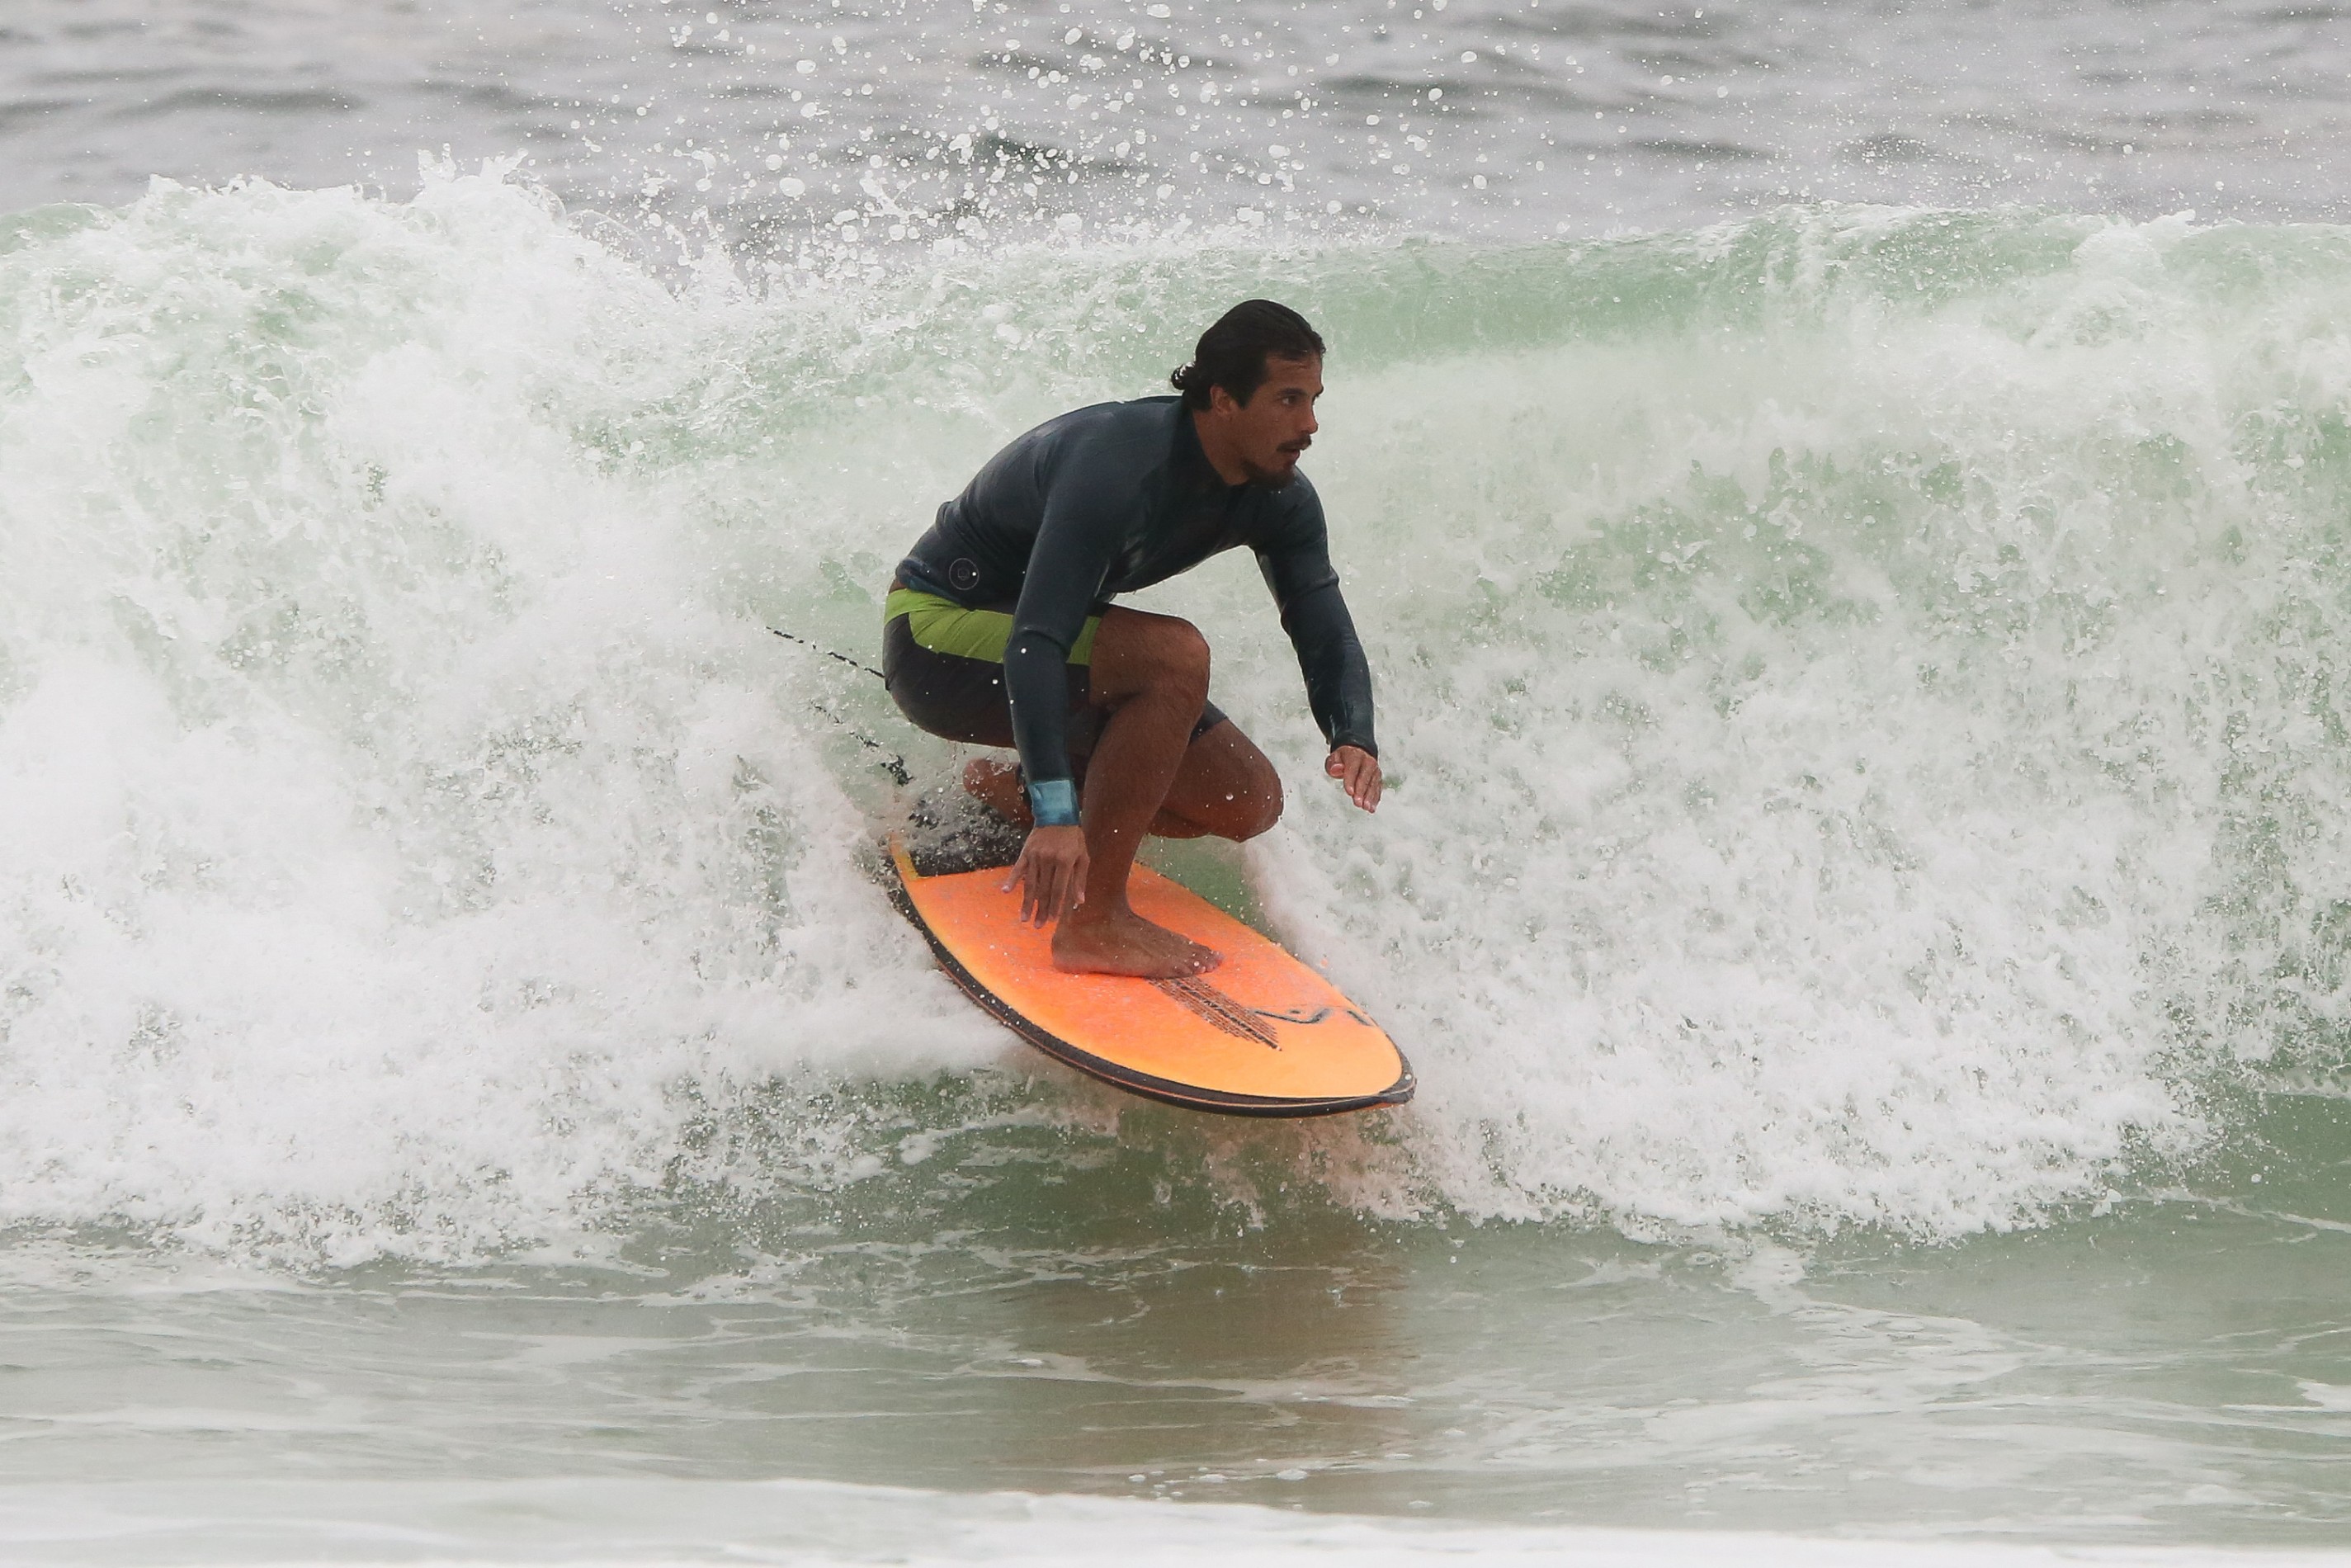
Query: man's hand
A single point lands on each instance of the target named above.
(1052, 874)
(1359, 772)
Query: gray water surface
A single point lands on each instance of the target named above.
(1574, 116)
(1025, 1310)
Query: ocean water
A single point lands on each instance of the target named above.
(1852, 545)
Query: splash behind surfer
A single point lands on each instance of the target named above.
(999, 630)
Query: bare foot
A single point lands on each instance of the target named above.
(996, 786)
(1123, 943)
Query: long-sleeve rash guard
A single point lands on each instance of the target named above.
(1108, 499)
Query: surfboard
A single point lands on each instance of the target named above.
(1260, 1035)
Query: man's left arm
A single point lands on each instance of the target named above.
(1295, 562)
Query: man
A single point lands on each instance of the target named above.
(999, 631)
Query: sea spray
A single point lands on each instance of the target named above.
(1865, 735)
(401, 820)
(1859, 686)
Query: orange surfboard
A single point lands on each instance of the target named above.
(1260, 1035)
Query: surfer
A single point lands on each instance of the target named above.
(999, 631)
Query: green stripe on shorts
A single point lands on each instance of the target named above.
(945, 627)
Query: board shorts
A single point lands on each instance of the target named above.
(944, 665)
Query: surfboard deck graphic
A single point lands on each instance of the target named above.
(1260, 1035)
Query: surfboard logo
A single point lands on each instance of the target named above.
(1216, 1008)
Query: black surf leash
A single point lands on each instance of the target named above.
(821, 648)
(893, 763)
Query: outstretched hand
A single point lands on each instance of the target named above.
(1051, 874)
(1357, 771)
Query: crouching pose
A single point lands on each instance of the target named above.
(999, 630)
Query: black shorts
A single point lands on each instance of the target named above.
(961, 699)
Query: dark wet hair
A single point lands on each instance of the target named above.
(1232, 353)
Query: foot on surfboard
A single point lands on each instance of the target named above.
(1264, 1036)
(998, 786)
(1123, 943)
(950, 830)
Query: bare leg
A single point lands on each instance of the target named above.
(996, 784)
(1224, 787)
(1152, 673)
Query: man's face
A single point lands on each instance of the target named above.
(1277, 424)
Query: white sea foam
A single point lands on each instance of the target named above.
(401, 812)
(1860, 685)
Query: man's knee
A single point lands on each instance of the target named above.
(1261, 806)
(1179, 657)
(1266, 809)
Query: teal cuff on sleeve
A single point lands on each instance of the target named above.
(1054, 803)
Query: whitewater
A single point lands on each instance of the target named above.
(1862, 883)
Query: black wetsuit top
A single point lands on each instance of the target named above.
(1111, 498)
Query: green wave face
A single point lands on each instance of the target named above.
(1860, 689)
